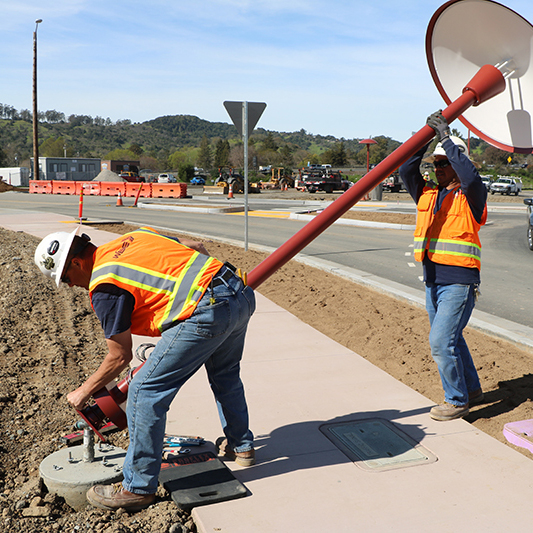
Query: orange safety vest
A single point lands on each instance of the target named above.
(450, 236)
(166, 278)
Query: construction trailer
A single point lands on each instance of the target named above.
(67, 168)
(16, 176)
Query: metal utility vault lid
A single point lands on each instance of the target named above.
(376, 444)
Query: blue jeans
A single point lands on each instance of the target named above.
(449, 308)
(213, 336)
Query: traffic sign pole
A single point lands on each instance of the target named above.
(245, 116)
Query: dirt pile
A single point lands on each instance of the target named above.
(6, 187)
(50, 340)
(108, 175)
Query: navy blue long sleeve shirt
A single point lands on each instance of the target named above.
(475, 193)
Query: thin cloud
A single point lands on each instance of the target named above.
(343, 68)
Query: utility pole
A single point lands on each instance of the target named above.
(36, 170)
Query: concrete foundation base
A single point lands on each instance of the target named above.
(66, 474)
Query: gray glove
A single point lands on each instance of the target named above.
(439, 124)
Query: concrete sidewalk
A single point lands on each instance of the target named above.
(302, 389)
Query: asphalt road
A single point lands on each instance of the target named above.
(506, 280)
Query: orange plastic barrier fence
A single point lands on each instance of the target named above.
(109, 188)
(133, 188)
(89, 188)
(169, 190)
(63, 187)
(112, 188)
(40, 187)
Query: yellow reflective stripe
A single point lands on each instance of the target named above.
(132, 275)
(453, 247)
(187, 285)
(195, 291)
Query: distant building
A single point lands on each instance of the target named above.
(121, 166)
(68, 168)
(16, 176)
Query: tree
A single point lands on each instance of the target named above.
(286, 156)
(269, 143)
(3, 158)
(186, 172)
(179, 158)
(205, 157)
(222, 151)
(120, 155)
(54, 117)
(336, 156)
(25, 114)
(136, 149)
(53, 147)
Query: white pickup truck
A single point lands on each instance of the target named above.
(506, 186)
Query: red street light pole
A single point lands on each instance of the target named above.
(368, 142)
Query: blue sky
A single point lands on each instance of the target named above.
(348, 68)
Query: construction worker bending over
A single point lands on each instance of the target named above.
(449, 216)
(150, 284)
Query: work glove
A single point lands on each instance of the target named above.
(439, 125)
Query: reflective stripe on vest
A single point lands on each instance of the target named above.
(449, 247)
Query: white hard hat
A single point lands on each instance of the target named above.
(439, 150)
(52, 253)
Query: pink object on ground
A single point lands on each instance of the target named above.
(520, 433)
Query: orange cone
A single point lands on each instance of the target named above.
(230, 193)
(119, 200)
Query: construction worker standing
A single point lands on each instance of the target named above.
(148, 284)
(449, 216)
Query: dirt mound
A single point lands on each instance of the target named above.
(108, 175)
(6, 187)
(50, 340)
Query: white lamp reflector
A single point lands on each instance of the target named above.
(463, 36)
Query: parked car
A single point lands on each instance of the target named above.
(487, 181)
(529, 203)
(325, 181)
(506, 186)
(166, 178)
(198, 180)
(131, 177)
(393, 183)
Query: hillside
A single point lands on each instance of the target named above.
(168, 142)
(85, 136)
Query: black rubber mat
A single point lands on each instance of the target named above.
(199, 479)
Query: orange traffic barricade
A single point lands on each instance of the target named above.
(169, 190)
(63, 187)
(112, 188)
(133, 188)
(40, 187)
(89, 187)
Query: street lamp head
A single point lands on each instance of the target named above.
(38, 21)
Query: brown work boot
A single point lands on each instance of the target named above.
(447, 411)
(113, 497)
(241, 458)
(475, 397)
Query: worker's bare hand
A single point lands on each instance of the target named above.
(78, 398)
